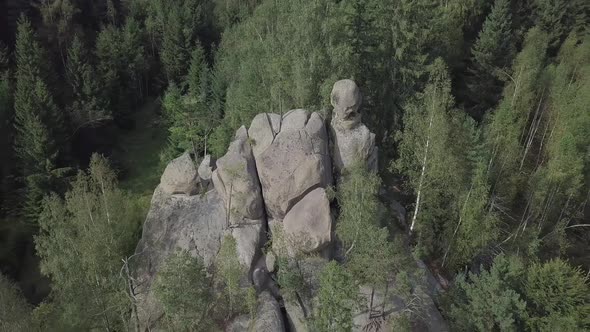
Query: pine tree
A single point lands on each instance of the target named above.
(368, 253)
(337, 297)
(230, 271)
(492, 55)
(38, 123)
(87, 108)
(558, 17)
(184, 289)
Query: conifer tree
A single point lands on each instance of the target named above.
(184, 289)
(492, 55)
(38, 122)
(337, 299)
(88, 107)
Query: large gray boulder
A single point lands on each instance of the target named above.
(174, 222)
(249, 237)
(268, 315)
(352, 140)
(309, 222)
(205, 169)
(262, 131)
(296, 161)
(180, 176)
(346, 98)
(296, 317)
(236, 180)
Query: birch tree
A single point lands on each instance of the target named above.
(82, 241)
(432, 160)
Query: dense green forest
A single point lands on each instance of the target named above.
(481, 110)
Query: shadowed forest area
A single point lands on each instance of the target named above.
(481, 110)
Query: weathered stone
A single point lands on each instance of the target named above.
(308, 225)
(262, 131)
(260, 276)
(248, 236)
(205, 169)
(180, 176)
(296, 161)
(350, 145)
(352, 140)
(174, 222)
(268, 314)
(296, 317)
(294, 120)
(346, 99)
(236, 180)
(240, 324)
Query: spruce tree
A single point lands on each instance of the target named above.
(337, 297)
(492, 55)
(87, 107)
(38, 122)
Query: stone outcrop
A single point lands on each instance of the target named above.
(274, 177)
(174, 222)
(180, 176)
(249, 238)
(309, 222)
(268, 316)
(295, 161)
(236, 180)
(205, 169)
(352, 141)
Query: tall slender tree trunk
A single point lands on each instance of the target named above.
(422, 173)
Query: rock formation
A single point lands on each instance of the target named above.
(273, 179)
(352, 140)
(192, 223)
(180, 176)
(294, 161)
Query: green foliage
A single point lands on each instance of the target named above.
(433, 160)
(289, 278)
(39, 127)
(550, 296)
(490, 300)
(92, 229)
(121, 66)
(557, 297)
(231, 271)
(337, 299)
(183, 288)
(558, 18)
(369, 254)
(492, 55)
(88, 107)
(173, 27)
(16, 312)
(251, 302)
(190, 117)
